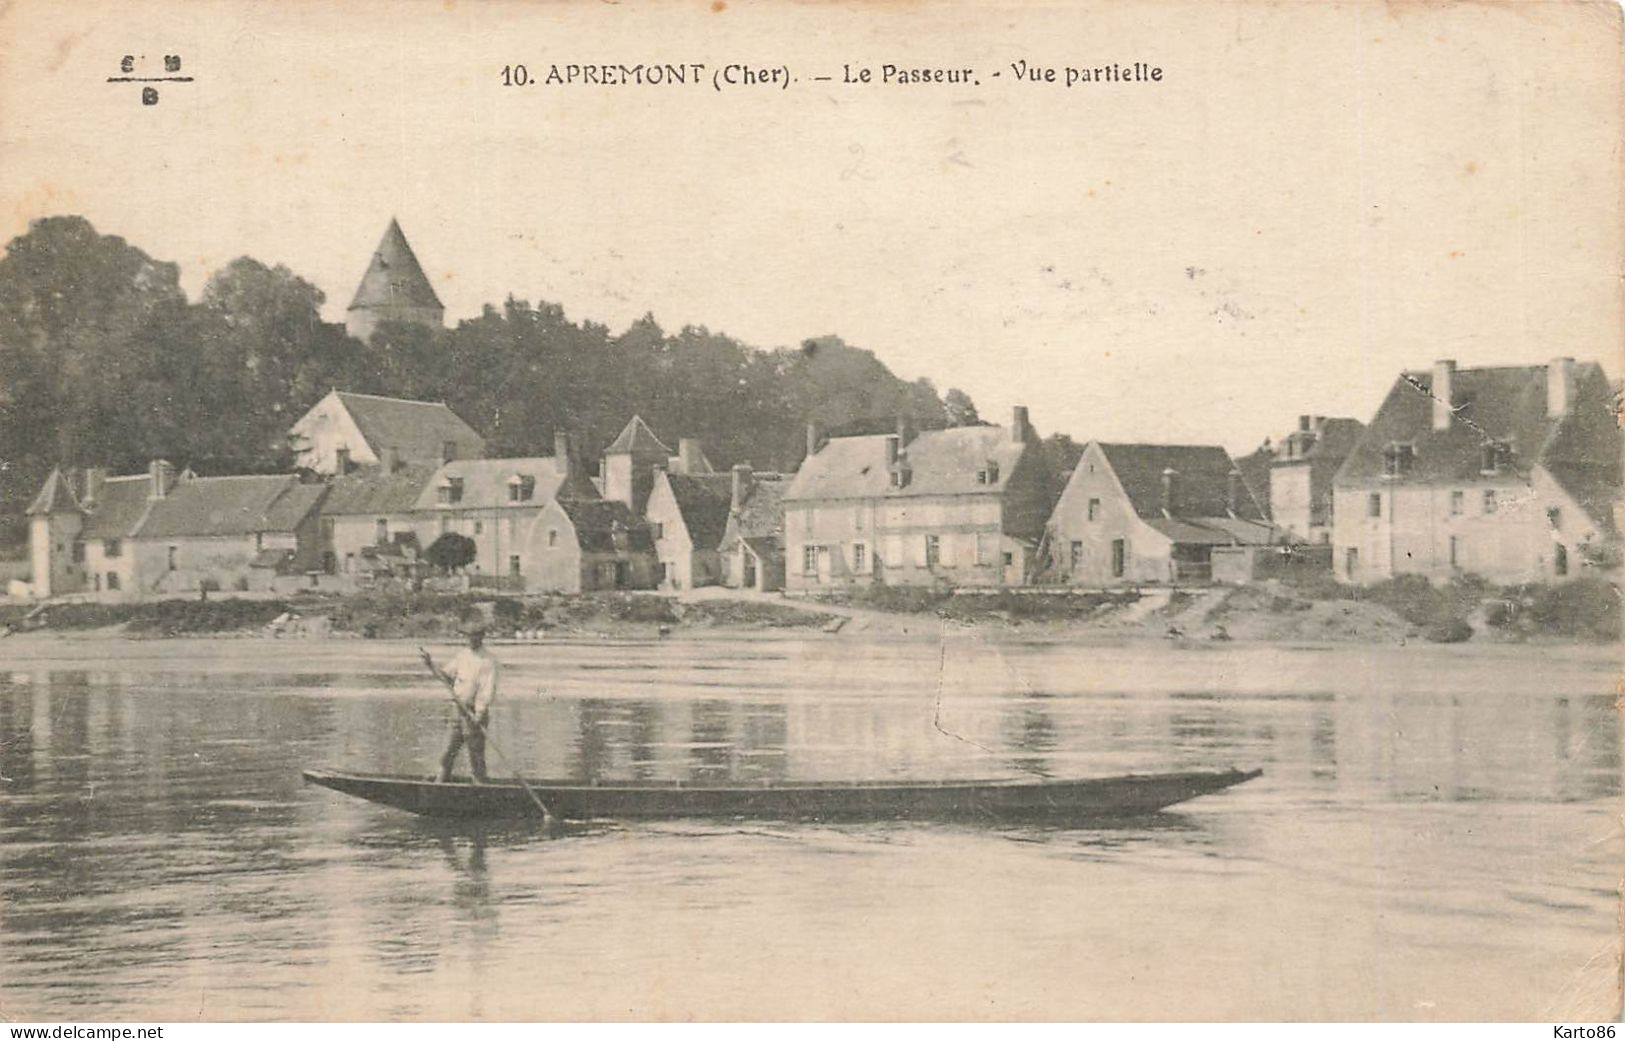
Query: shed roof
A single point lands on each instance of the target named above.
(941, 462)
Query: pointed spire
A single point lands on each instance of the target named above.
(394, 288)
(637, 439)
(54, 496)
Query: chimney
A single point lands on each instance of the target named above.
(815, 438)
(905, 433)
(689, 456)
(892, 449)
(95, 477)
(1316, 423)
(1303, 422)
(161, 474)
(390, 459)
(1443, 390)
(1232, 492)
(741, 482)
(564, 456)
(1021, 431)
(1168, 475)
(1559, 386)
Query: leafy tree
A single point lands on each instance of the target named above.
(960, 409)
(450, 551)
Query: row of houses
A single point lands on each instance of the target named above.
(1510, 473)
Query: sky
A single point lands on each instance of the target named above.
(1312, 199)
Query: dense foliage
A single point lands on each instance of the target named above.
(104, 361)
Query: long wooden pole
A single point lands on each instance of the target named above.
(467, 714)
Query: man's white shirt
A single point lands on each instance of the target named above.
(473, 677)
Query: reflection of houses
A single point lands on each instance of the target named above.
(963, 506)
(497, 503)
(159, 533)
(687, 513)
(1509, 473)
(752, 547)
(1300, 478)
(581, 545)
(1136, 513)
(344, 430)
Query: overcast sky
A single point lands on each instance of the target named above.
(1313, 198)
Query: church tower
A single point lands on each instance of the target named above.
(394, 289)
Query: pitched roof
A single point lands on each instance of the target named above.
(597, 521)
(762, 513)
(1255, 471)
(416, 429)
(1337, 437)
(216, 506)
(1213, 531)
(394, 277)
(637, 439)
(1201, 480)
(941, 462)
(119, 509)
(703, 500)
(369, 490)
(55, 495)
(485, 483)
(1580, 448)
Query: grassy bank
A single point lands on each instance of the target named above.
(997, 605)
(416, 615)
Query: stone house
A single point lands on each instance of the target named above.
(370, 522)
(1509, 473)
(345, 430)
(1135, 514)
(1300, 476)
(159, 533)
(686, 514)
(963, 506)
(582, 545)
(752, 546)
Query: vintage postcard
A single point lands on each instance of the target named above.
(720, 510)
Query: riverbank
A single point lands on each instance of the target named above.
(1584, 611)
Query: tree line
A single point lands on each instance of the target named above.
(105, 361)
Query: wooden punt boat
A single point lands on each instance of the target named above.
(990, 801)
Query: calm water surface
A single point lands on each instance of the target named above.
(1436, 835)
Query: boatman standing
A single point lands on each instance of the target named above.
(472, 677)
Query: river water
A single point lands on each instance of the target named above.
(1436, 836)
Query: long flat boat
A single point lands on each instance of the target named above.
(991, 800)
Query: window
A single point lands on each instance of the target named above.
(1560, 560)
(513, 565)
(1373, 505)
(171, 558)
(1458, 503)
(112, 547)
(112, 581)
(809, 560)
(521, 488)
(1351, 563)
(933, 550)
(552, 537)
(1094, 509)
(857, 518)
(259, 541)
(445, 525)
(1076, 556)
(479, 527)
(860, 557)
(380, 533)
(657, 530)
(1009, 558)
(1491, 503)
(78, 552)
(341, 460)
(1397, 459)
(1455, 551)
(1119, 558)
(450, 491)
(1554, 517)
(1497, 456)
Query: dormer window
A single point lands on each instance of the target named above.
(988, 474)
(521, 488)
(1397, 459)
(450, 491)
(1497, 456)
